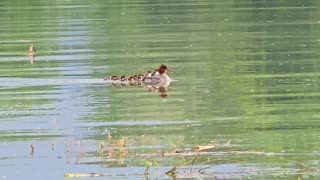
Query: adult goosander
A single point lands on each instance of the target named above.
(161, 74)
(159, 78)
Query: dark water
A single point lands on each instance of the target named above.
(245, 79)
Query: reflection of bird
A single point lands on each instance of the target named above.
(32, 53)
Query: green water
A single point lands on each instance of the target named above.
(245, 72)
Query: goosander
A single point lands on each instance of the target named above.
(123, 78)
(32, 50)
(140, 77)
(135, 77)
(155, 72)
(147, 75)
(161, 74)
(32, 53)
(131, 78)
(113, 78)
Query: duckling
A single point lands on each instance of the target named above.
(147, 75)
(135, 77)
(140, 77)
(114, 78)
(123, 78)
(32, 53)
(155, 72)
(131, 80)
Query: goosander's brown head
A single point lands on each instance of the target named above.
(163, 69)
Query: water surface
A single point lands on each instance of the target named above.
(245, 80)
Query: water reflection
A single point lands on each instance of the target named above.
(156, 87)
(160, 87)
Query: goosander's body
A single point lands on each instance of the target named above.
(160, 74)
(160, 78)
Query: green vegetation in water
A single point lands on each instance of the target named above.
(200, 161)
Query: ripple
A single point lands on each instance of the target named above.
(19, 82)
